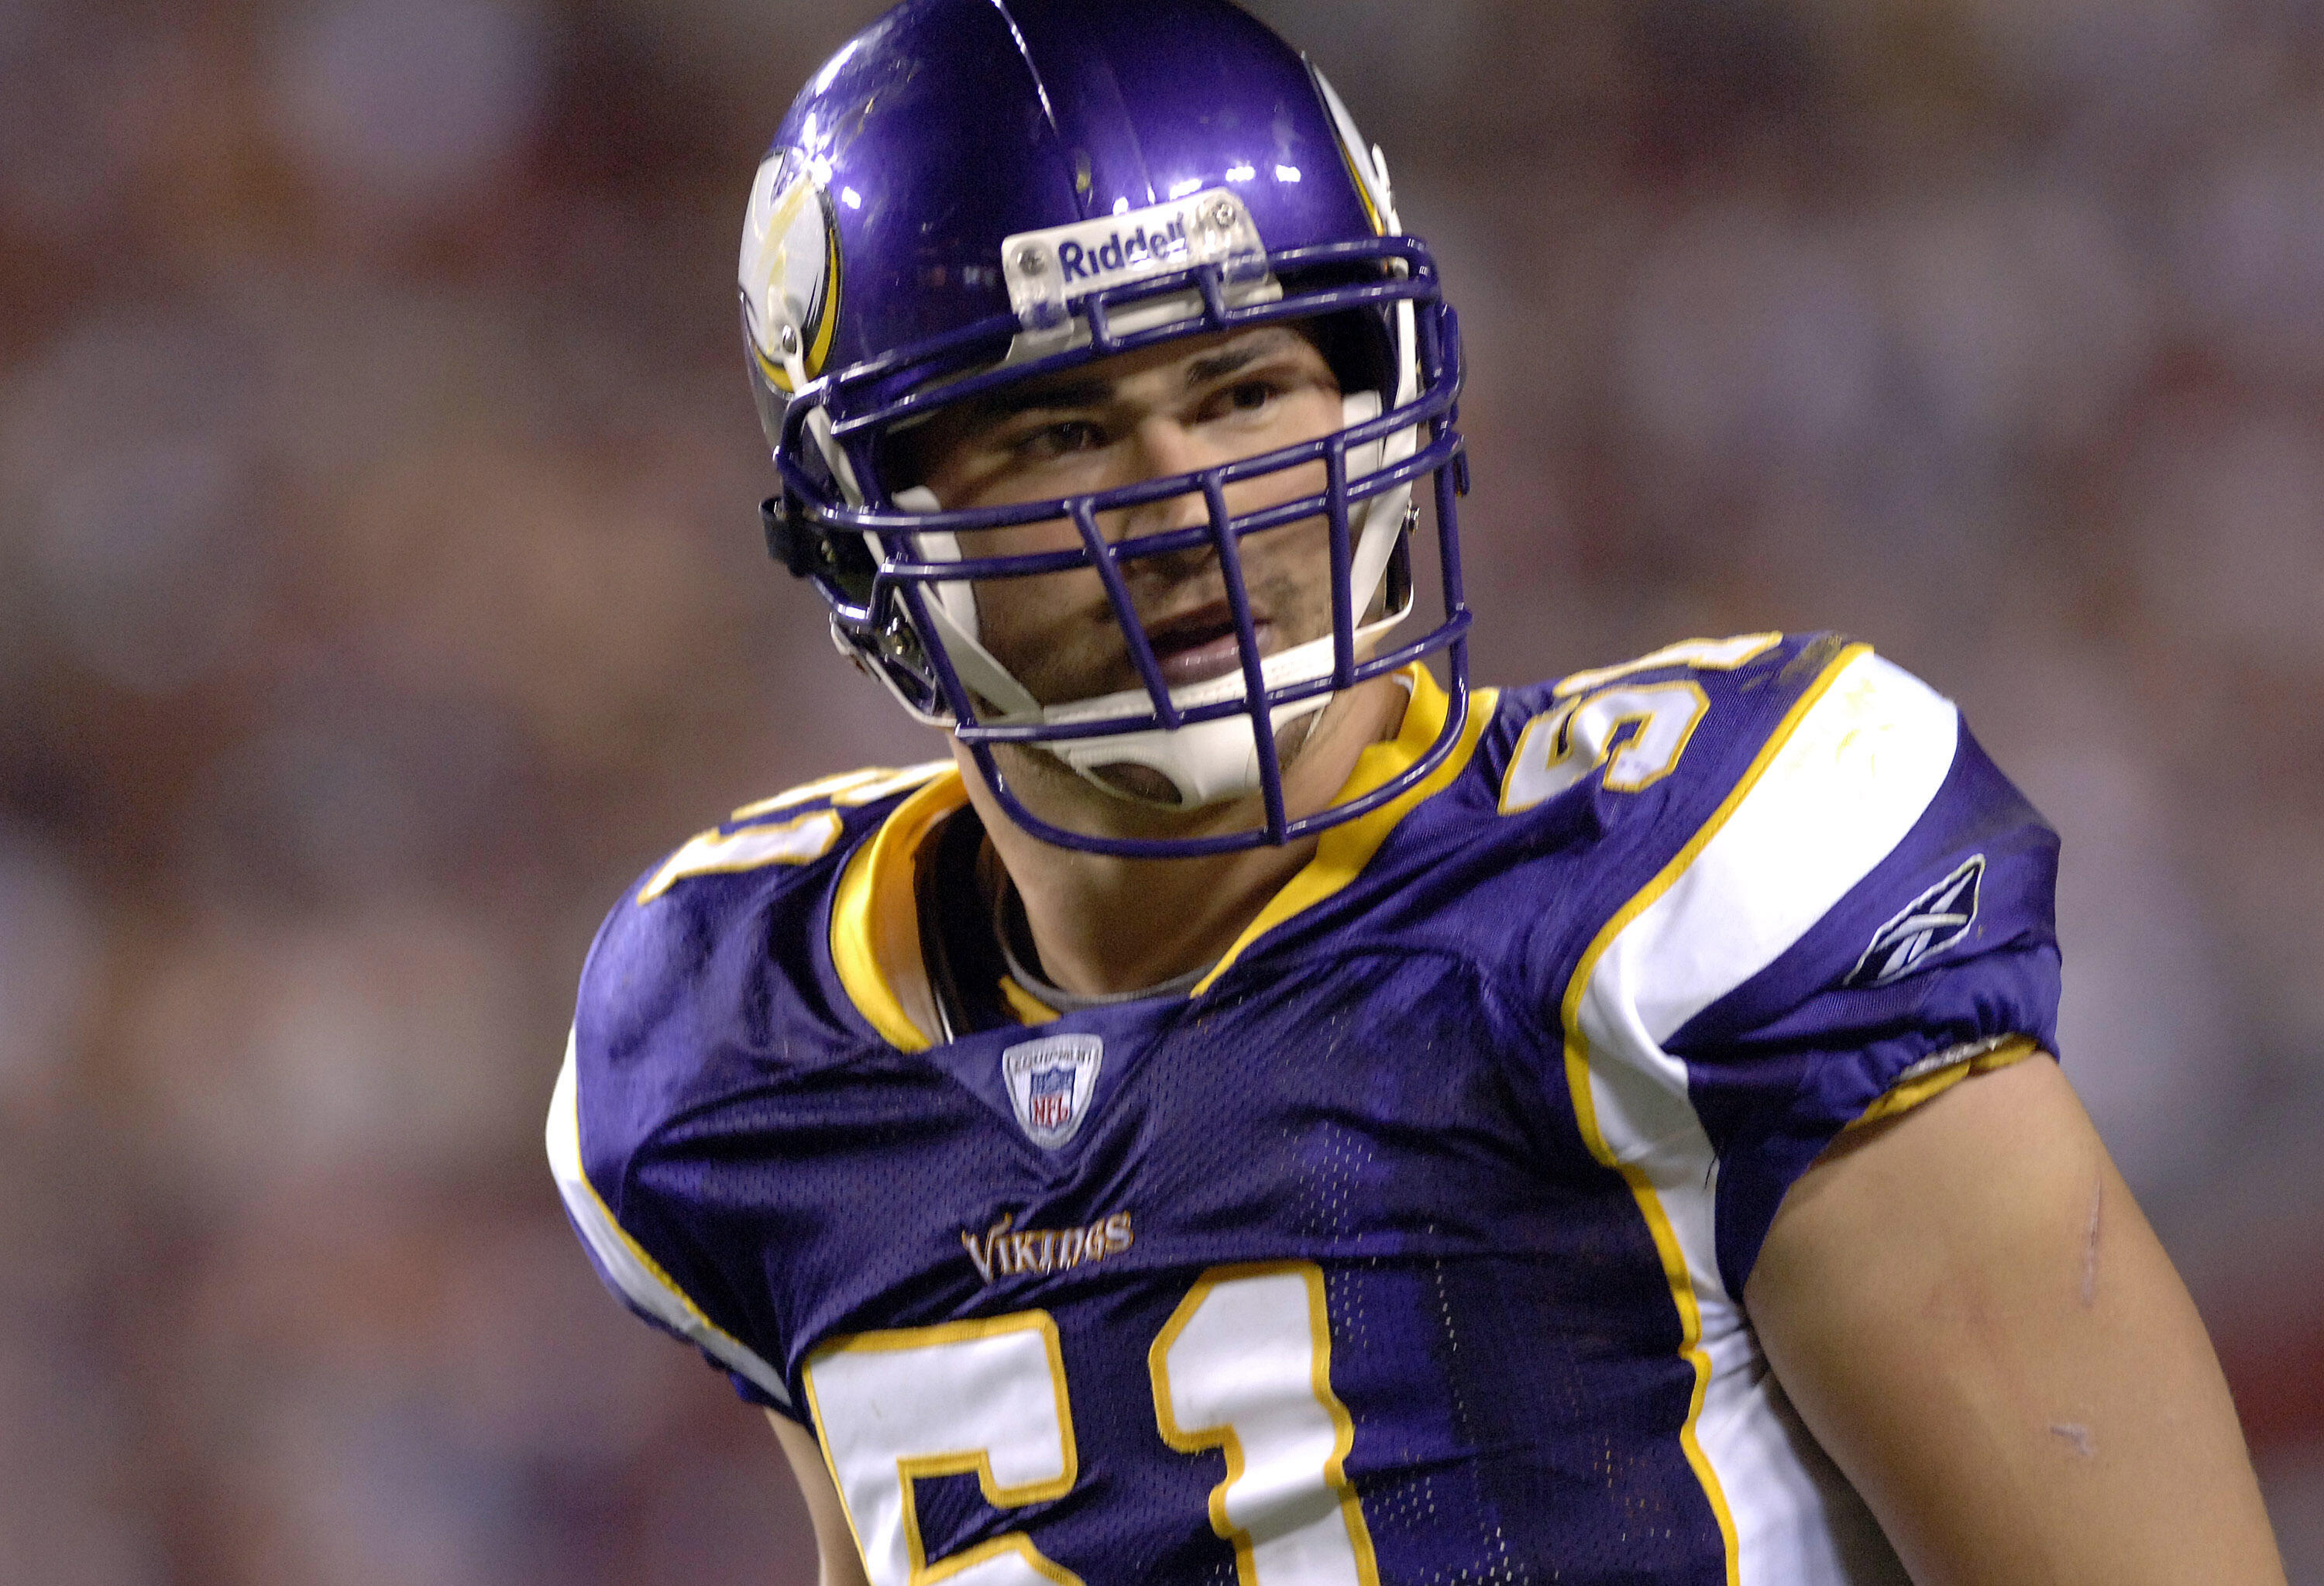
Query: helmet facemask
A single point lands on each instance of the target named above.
(1208, 761)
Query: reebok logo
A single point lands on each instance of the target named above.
(1928, 925)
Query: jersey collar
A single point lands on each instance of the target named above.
(875, 932)
(1342, 852)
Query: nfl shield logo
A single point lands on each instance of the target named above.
(1049, 1084)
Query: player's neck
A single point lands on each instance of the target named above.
(1104, 924)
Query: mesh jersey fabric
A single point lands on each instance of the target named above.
(1519, 1075)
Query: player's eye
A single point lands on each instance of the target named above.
(1058, 439)
(1252, 396)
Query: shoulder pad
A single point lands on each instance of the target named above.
(794, 828)
(1845, 769)
(688, 955)
(704, 971)
(1694, 712)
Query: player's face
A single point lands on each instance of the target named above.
(1165, 410)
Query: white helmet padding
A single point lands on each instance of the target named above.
(1207, 762)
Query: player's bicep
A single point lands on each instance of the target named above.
(1972, 1315)
(833, 1541)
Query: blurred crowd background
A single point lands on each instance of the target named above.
(380, 591)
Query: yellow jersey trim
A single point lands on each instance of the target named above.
(1585, 1111)
(654, 1269)
(1027, 1008)
(1925, 1085)
(1342, 852)
(875, 926)
(875, 920)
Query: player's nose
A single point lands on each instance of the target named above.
(1162, 447)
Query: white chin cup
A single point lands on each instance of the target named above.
(1208, 763)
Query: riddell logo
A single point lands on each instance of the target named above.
(1134, 250)
(1049, 271)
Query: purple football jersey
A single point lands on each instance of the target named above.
(1409, 1245)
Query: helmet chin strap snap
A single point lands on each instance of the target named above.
(1204, 762)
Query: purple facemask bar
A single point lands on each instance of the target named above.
(903, 581)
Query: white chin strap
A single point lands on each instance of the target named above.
(1207, 762)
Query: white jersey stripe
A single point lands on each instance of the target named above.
(1833, 796)
(641, 1279)
(1856, 774)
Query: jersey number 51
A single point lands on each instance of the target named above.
(1243, 1365)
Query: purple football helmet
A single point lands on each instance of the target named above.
(977, 192)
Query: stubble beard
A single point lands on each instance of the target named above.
(1296, 597)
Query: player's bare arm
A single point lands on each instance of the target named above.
(1975, 1320)
(838, 1561)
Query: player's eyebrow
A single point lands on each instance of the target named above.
(988, 410)
(985, 411)
(1229, 360)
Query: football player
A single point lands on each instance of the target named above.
(1262, 1112)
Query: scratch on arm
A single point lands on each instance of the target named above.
(2090, 1246)
(2078, 1434)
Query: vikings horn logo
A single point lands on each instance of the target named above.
(1371, 176)
(789, 274)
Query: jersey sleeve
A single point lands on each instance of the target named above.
(708, 990)
(656, 1012)
(1866, 918)
(637, 1278)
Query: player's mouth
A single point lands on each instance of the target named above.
(1196, 646)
